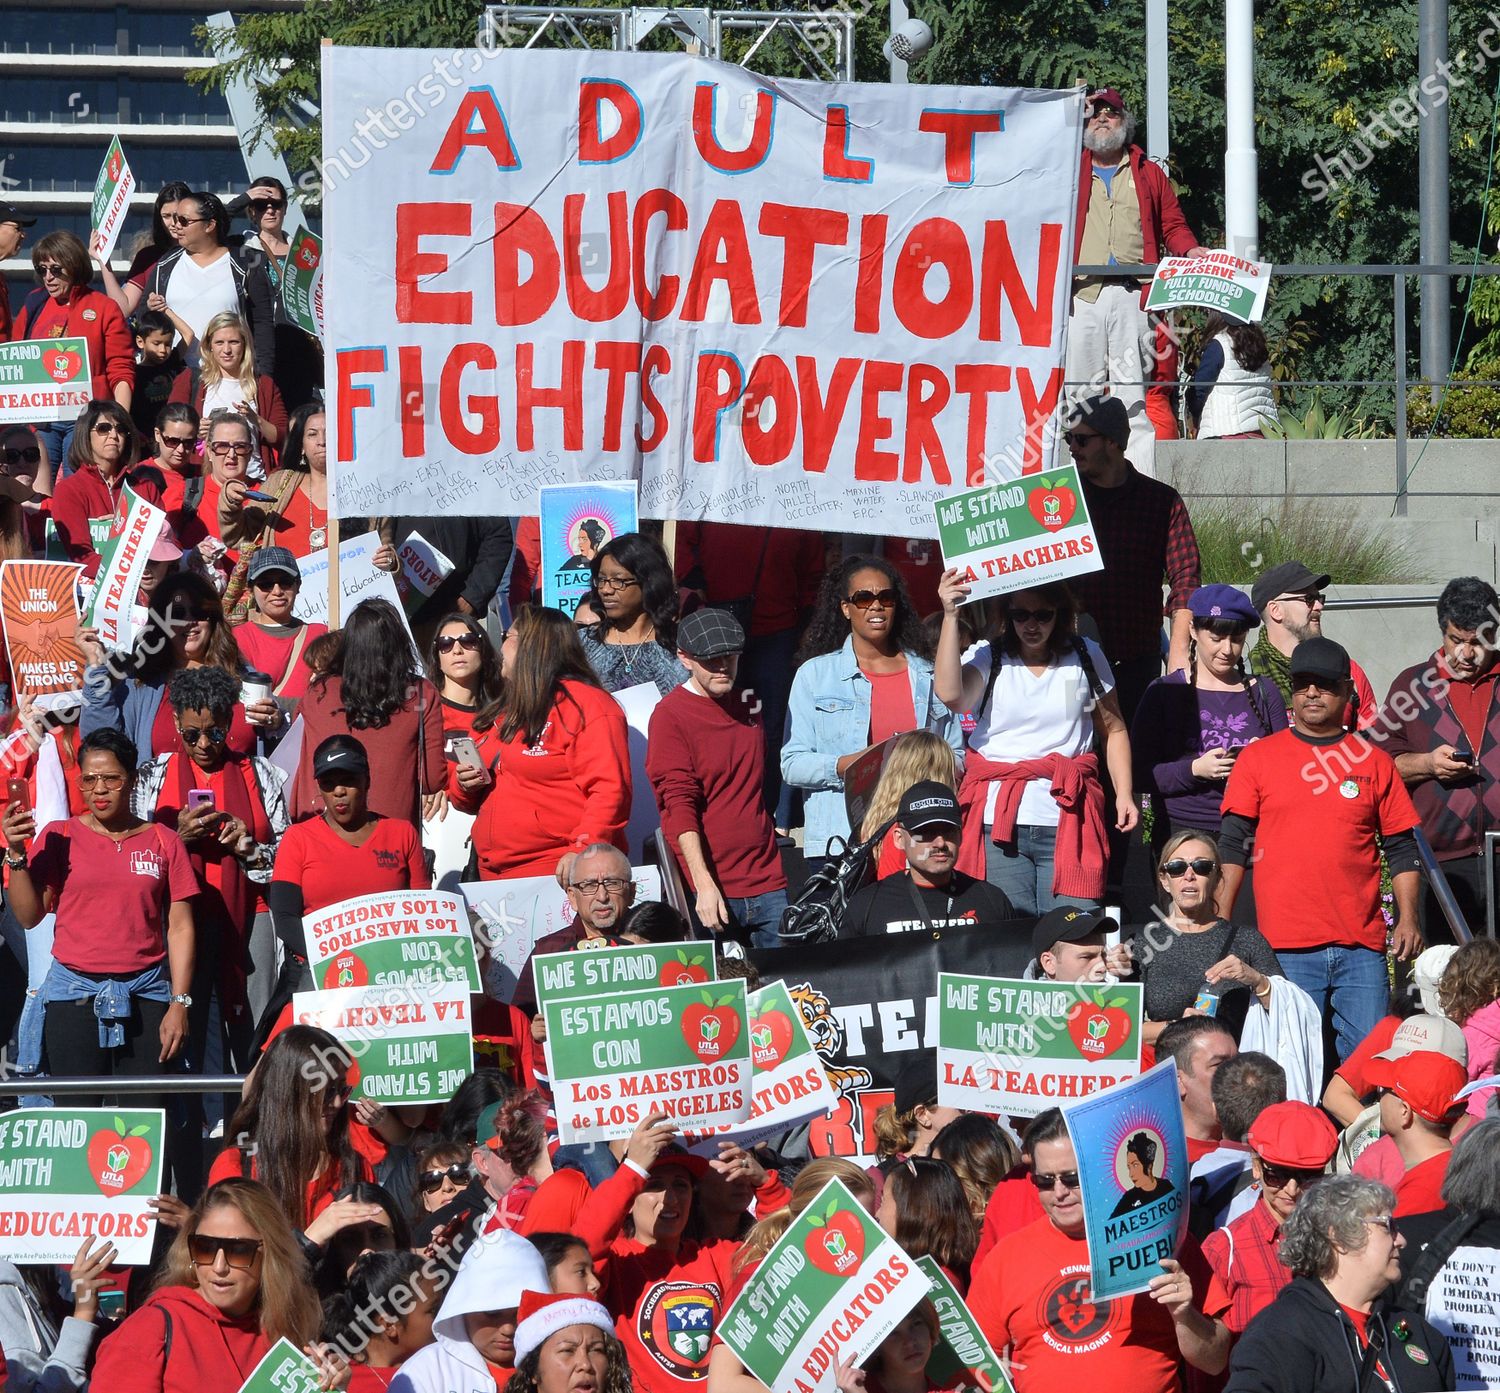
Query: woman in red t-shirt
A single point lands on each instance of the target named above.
(557, 755)
(291, 1133)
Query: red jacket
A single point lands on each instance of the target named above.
(93, 316)
(84, 495)
(1164, 229)
(206, 1349)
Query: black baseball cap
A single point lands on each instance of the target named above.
(1320, 657)
(10, 213)
(1289, 578)
(917, 1083)
(928, 804)
(1069, 924)
(340, 754)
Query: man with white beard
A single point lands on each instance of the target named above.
(1127, 215)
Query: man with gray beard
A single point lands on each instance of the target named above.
(1127, 215)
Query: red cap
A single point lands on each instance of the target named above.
(542, 1314)
(1106, 96)
(695, 1166)
(1424, 1080)
(1295, 1135)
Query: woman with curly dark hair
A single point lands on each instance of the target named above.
(373, 691)
(636, 640)
(866, 675)
(1231, 397)
(1469, 991)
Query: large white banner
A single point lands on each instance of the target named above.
(823, 305)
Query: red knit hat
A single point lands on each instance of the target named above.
(544, 1313)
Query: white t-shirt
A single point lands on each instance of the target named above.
(197, 293)
(1029, 716)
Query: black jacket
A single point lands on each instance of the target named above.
(1304, 1343)
(252, 282)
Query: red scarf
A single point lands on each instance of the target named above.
(1078, 866)
(237, 892)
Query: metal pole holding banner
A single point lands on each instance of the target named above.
(14, 1085)
(1440, 888)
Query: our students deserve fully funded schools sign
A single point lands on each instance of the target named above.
(769, 301)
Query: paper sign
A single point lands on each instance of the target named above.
(576, 520)
(962, 1357)
(122, 562)
(423, 569)
(1133, 1171)
(39, 608)
(284, 1369)
(412, 1043)
(860, 779)
(357, 574)
(1216, 281)
(1461, 1303)
(392, 937)
(69, 1173)
(112, 190)
(1020, 1047)
(638, 702)
(44, 380)
(633, 967)
(1013, 536)
(302, 282)
(807, 1309)
(789, 1084)
(685, 1050)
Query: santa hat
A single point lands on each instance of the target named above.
(543, 1314)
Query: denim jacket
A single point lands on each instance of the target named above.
(829, 717)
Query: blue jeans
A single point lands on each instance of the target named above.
(32, 948)
(57, 436)
(1351, 981)
(1023, 870)
(761, 915)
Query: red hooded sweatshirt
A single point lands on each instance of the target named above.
(179, 1343)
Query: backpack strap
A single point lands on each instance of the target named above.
(1096, 686)
(1413, 1293)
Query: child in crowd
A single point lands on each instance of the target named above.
(157, 364)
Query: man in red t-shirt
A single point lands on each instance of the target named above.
(1031, 1295)
(1417, 1111)
(1320, 805)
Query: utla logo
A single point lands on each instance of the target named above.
(1052, 503)
(118, 1159)
(1098, 1028)
(307, 256)
(684, 971)
(711, 1028)
(114, 168)
(62, 364)
(346, 970)
(770, 1038)
(836, 1244)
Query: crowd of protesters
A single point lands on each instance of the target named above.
(1009, 752)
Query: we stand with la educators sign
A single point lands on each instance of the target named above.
(770, 301)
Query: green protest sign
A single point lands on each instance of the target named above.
(302, 282)
(1215, 280)
(44, 379)
(566, 976)
(67, 1174)
(285, 1369)
(830, 1289)
(1021, 1047)
(112, 190)
(683, 1050)
(790, 1084)
(1012, 536)
(962, 1357)
(412, 1043)
(392, 937)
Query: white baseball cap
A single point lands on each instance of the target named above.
(1428, 971)
(1434, 1033)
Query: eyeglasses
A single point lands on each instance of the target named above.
(27, 454)
(276, 582)
(615, 582)
(430, 1181)
(263, 205)
(1031, 616)
(177, 220)
(612, 885)
(446, 643)
(1278, 1177)
(1387, 1222)
(868, 599)
(1045, 1182)
(178, 442)
(109, 428)
(51, 269)
(1080, 437)
(106, 781)
(230, 447)
(1307, 597)
(192, 735)
(238, 1252)
(1202, 865)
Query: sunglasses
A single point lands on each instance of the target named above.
(192, 735)
(446, 643)
(1045, 1182)
(178, 442)
(276, 582)
(261, 205)
(1080, 437)
(1202, 865)
(177, 220)
(868, 599)
(230, 447)
(430, 1181)
(1031, 616)
(238, 1252)
(107, 781)
(1307, 597)
(1303, 680)
(51, 269)
(109, 428)
(29, 454)
(1276, 1177)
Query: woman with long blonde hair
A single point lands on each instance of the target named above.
(915, 756)
(226, 380)
(234, 1283)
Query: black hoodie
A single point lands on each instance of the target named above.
(1304, 1343)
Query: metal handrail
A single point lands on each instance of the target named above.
(14, 1086)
